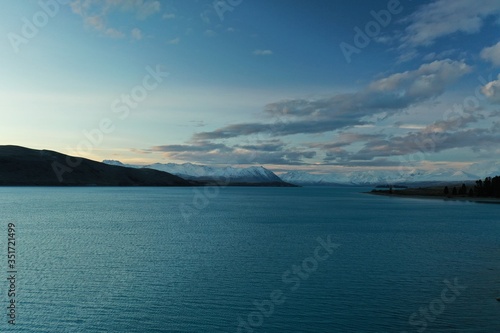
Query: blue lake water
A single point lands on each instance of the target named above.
(248, 260)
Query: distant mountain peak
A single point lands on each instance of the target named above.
(113, 162)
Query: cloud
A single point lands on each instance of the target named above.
(409, 126)
(96, 13)
(429, 80)
(136, 34)
(378, 162)
(168, 16)
(407, 55)
(197, 147)
(113, 33)
(271, 152)
(412, 143)
(142, 8)
(263, 52)
(439, 136)
(97, 22)
(389, 95)
(210, 33)
(455, 132)
(492, 91)
(384, 97)
(438, 56)
(444, 17)
(492, 54)
(453, 124)
(175, 41)
(267, 146)
(205, 15)
(346, 139)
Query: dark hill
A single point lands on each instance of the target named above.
(21, 166)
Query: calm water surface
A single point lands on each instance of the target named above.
(243, 260)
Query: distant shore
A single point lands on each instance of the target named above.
(430, 193)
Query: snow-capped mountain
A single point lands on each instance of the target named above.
(202, 172)
(305, 178)
(118, 163)
(485, 169)
(375, 177)
(441, 175)
(346, 178)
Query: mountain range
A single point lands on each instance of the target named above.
(229, 175)
(24, 166)
(354, 178)
(21, 166)
(378, 177)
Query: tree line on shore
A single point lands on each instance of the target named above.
(489, 187)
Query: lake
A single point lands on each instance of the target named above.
(247, 260)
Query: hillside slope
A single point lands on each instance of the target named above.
(20, 166)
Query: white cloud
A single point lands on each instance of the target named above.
(492, 91)
(388, 96)
(113, 33)
(96, 13)
(175, 41)
(428, 80)
(263, 52)
(437, 56)
(168, 16)
(144, 9)
(407, 55)
(141, 8)
(383, 39)
(411, 126)
(210, 33)
(492, 54)
(97, 22)
(445, 17)
(136, 34)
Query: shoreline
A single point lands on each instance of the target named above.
(435, 197)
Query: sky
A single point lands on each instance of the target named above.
(320, 86)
